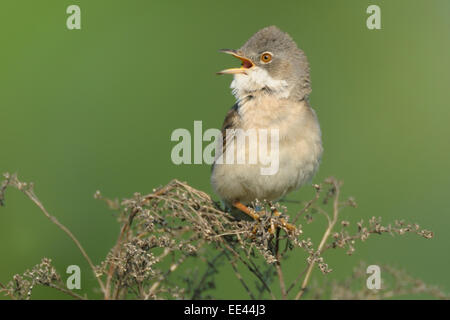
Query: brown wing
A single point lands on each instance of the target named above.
(232, 120)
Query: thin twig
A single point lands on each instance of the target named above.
(251, 269)
(7, 291)
(324, 238)
(278, 266)
(309, 203)
(172, 268)
(116, 251)
(68, 292)
(239, 276)
(300, 275)
(27, 189)
(197, 291)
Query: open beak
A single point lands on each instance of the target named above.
(245, 65)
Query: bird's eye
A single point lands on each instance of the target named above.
(266, 57)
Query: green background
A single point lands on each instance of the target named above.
(93, 109)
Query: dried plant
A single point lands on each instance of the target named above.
(162, 230)
(396, 283)
(43, 274)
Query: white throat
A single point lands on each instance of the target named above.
(256, 80)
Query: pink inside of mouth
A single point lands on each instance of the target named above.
(246, 64)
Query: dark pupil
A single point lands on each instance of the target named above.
(266, 57)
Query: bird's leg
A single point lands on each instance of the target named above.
(248, 211)
(285, 224)
(252, 213)
(242, 207)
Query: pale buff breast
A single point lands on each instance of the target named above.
(300, 149)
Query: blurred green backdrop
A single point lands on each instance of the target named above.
(94, 109)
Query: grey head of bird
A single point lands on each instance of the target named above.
(271, 63)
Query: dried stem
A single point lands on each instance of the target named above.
(278, 266)
(116, 251)
(68, 292)
(239, 276)
(7, 291)
(325, 236)
(27, 189)
(309, 204)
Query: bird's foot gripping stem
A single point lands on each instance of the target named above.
(256, 216)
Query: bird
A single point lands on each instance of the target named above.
(272, 88)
